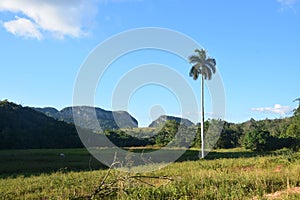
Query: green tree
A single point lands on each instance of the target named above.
(167, 133)
(297, 110)
(229, 137)
(206, 67)
(293, 129)
(257, 140)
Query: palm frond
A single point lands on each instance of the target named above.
(194, 73)
(198, 51)
(201, 53)
(194, 59)
(211, 63)
(298, 99)
(206, 72)
(197, 66)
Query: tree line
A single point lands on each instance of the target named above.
(262, 135)
(23, 127)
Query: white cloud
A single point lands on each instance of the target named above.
(288, 4)
(22, 27)
(277, 109)
(59, 17)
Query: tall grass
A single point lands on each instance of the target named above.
(217, 178)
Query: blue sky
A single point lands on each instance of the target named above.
(255, 43)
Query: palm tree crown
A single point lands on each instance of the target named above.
(202, 64)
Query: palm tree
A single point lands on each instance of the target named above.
(298, 99)
(297, 110)
(206, 66)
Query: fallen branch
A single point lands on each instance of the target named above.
(106, 187)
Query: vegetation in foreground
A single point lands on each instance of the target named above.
(217, 177)
(224, 174)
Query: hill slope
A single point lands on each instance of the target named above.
(162, 120)
(23, 127)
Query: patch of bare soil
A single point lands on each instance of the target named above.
(281, 194)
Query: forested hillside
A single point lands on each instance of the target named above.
(24, 127)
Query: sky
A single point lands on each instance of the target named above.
(43, 45)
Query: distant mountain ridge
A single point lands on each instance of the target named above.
(84, 117)
(49, 111)
(163, 118)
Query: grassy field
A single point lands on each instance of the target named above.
(224, 174)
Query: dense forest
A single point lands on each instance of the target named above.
(24, 127)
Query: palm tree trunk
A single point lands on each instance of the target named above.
(202, 116)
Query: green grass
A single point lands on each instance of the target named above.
(223, 175)
(36, 161)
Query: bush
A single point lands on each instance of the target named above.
(257, 140)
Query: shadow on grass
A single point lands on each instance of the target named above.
(193, 155)
(26, 163)
(29, 162)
